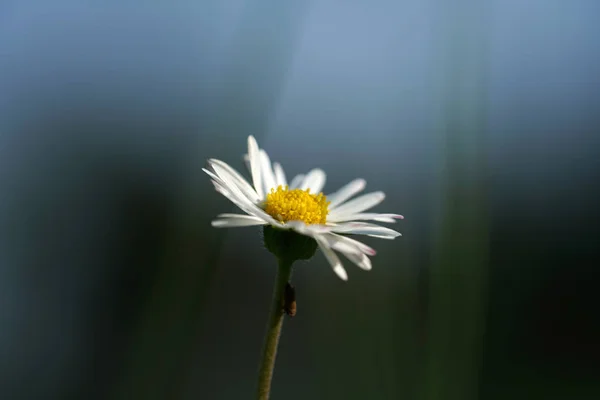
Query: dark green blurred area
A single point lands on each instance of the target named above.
(118, 288)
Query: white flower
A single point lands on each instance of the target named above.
(302, 207)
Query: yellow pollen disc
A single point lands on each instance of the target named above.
(296, 205)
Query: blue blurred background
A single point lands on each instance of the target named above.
(479, 119)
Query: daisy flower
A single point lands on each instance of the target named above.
(300, 206)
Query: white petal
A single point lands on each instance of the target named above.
(217, 186)
(247, 163)
(360, 260)
(359, 245)
(347, 191)
(254, 155)
(333, 259)
(390, 218)
(364, 228)
(308, 230)
(338, 244)
(224, 170)
(387, 237)
(231, 196)
(268, 177)
(236, 220)
(357, 205)
(228, 183)
(296, 181)
(279, 175)
(211, 174)
(233, 193)
(314, 180)
(232, 215)
(349, 249)
(299, 226)
(220, 185)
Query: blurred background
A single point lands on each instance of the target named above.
(479, 119)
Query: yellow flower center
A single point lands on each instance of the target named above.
(296, 205)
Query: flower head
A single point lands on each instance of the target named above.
(296, 205)
(301, 207)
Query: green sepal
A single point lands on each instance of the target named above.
(287, 245)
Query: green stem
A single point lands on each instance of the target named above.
(284, 272)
